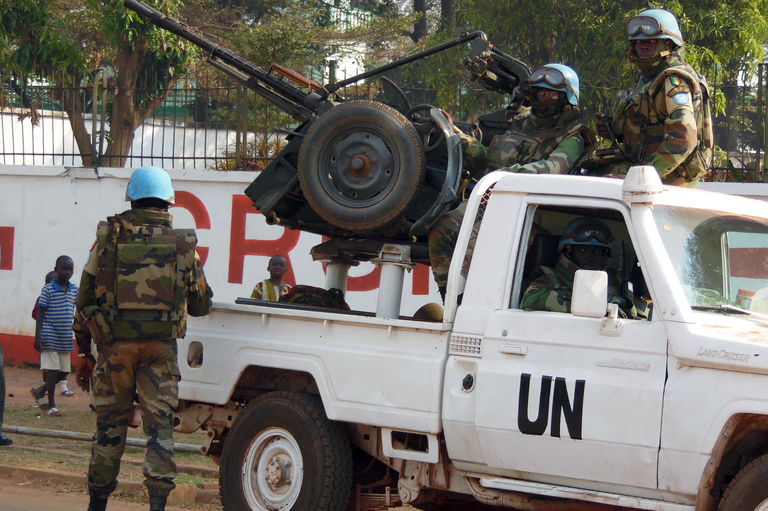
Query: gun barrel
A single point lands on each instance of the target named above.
(289, 98)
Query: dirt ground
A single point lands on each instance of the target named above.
(18, 381)
(17, 493)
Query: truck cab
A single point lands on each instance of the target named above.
(610, 405)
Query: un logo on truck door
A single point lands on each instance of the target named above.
(560, 405)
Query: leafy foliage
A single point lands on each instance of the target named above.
(64, 43)
(33, 42)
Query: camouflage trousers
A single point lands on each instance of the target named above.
(123, 370)
(442, 240)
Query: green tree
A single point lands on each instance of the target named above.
(65, 43)
(724, 40)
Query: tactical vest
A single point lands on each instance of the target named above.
(524, 143)
(641, 106)
(140, 285)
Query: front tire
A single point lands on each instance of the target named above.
(749, 489)
(283, 453)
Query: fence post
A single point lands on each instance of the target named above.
(763, 116)
(759, 128)
(241, 128)
(94, 108)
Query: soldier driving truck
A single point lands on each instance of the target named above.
(491, 405)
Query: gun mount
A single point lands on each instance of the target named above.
(356, 168)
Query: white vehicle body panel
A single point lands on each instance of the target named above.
(525, 398)
(368, 370)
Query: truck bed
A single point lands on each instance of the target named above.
(381, 372)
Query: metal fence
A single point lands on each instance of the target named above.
(220, 126)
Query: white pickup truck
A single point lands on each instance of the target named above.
(497, 406)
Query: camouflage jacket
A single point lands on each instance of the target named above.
(532, 145)
(141, 279)
(665, 121)
(551, 289)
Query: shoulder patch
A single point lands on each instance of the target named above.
(681, 98)
(674, 80)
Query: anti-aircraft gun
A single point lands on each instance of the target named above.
(379, 171)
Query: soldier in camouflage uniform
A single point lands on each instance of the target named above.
(141, 280)
(586, 244)
(666, 120)
(548, 138)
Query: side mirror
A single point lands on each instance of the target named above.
(590, 294)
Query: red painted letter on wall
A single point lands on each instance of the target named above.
(239, 246)
(6, 248)
(199, 212)
(421, 275)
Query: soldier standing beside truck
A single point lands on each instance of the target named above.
(141, 280)
(665, 121)
(548, 138)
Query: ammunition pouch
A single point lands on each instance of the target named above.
(98, 325)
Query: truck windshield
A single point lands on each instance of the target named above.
(721, 259)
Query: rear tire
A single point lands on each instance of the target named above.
(361, 165)
(283, 453)
(749, 489)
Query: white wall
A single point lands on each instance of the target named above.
(49, 211)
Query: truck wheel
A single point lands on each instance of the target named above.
(749, 489)
(283, 453)
(361, 165)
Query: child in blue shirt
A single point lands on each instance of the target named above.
(63, 385)
(54, 337)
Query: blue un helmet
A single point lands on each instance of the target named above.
(586, 231)
(150, 182)
(557, 77)
(654, 24)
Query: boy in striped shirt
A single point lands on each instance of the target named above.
(53, 333)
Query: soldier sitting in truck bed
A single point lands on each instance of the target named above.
(548, 138)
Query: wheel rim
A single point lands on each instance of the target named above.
(273, 470)
(358, 167)
(763, 506)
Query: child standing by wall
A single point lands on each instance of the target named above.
(54, 337)
(63, 385)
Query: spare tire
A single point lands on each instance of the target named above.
(361, 165)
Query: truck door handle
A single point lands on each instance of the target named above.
(514, 349)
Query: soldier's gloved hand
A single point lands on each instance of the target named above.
(602, 125)
(84, 372)
(563, 295)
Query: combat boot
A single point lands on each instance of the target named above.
(157, 502)
(97, 504)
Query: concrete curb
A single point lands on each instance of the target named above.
(182, 494)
